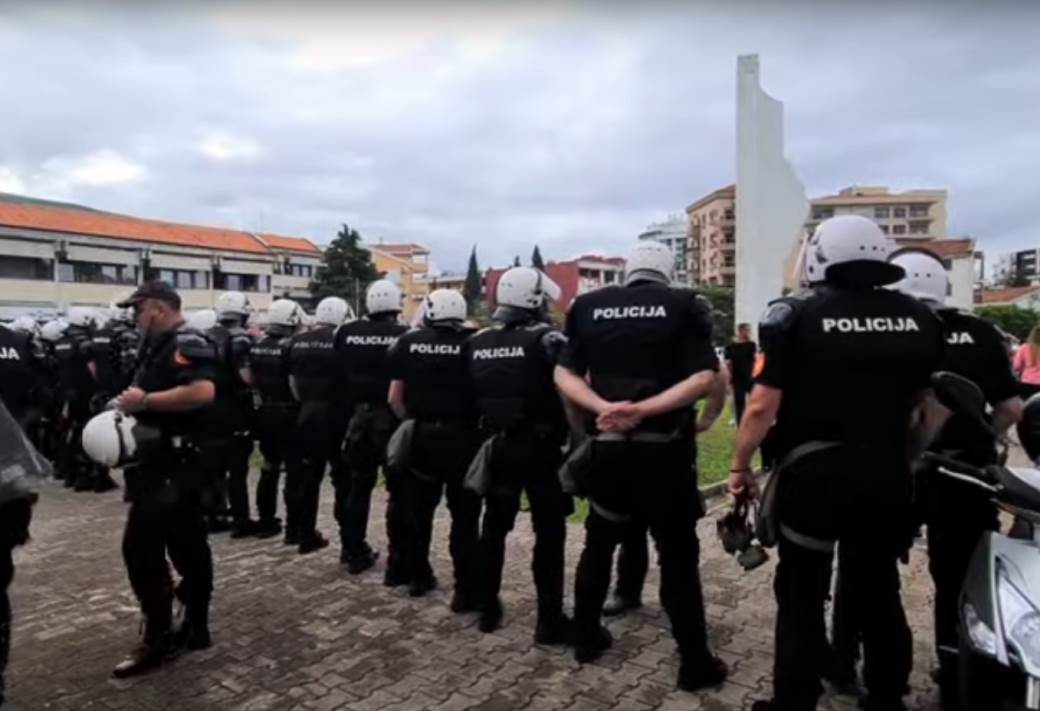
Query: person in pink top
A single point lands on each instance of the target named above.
(1027, 363)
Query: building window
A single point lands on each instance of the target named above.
(300, 270)
(918, 211)
(180, 278)
(822, 213)
(899, 229)
(898, 212)
(919, 228)
(729, 214)
(241, 282)
(729, 236)
(26, 268)
(884, 228)
(92, 273)
(729, 260)
(881, 213)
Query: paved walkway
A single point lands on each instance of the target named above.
(298, 634)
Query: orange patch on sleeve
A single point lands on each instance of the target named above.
(760, 364)
(180, 359)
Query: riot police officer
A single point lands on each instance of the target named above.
(637, 357)
(955, 515)
(16, 502)
(317, 380)
(431, 385)
(276, 417)
(113, 349)
(233, 446)
(845, 378)
(363, 345)
(78, 388)
(21, 373)
(172, 387)
(48, 437)
(522, 416)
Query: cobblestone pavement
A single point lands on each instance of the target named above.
(297, 633)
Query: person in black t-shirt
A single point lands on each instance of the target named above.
(740, 359)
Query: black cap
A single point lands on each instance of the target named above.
(158, 290)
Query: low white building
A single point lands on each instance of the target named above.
(673, 232)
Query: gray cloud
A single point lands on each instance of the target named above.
(567, 126)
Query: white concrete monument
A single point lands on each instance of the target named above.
(771, 202)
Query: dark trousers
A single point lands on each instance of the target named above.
(633, 562)
(277, 425)
(319, 435)
(368, 433)
(863, 502)
(236, 465)
(6, 575)
(525, 463)
(666, 500)
(165, 519)
(441, 453)
(740, 395)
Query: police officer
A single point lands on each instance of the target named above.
(16, 504)
(364, 345)
(21, 372)
(845, 377)
(113, 349)
(955, 514)
(638, 356)
(49, 431)
(522, 415)
(73, 354)
(234, 444)
(430, 384)
(276, 417)
(317, 380)
(173, 386)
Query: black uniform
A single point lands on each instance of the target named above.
(852, 365)
(431, 364)
(229, 451)
(15, 516)
(113, 349)
(957, 514)
(20, 373)
(317, 372)
(165, 488)
(512, 371)
(363, 346)
(73, 353)
(634, 342)
(276, 423)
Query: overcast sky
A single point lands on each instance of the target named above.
(567, 125)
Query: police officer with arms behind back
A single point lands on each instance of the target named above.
(276, 418)
(846, 379)
(164, 416)
(637, 357)
(430, 383)
(521, 412)
(317, 381)
(363, 345)
(955, 514)
(233, 447)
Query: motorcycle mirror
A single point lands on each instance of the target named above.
(959, 395)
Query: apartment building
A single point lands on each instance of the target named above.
(909, 217)
(407, 265)
(711, 230)
(673, 232)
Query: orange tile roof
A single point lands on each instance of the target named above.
(294, 244)
(400, 248)
(1007, 294)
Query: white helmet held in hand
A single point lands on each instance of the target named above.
(113, 438)
(202, 320)
(232, 304)
(382, 297)
(526, 288)
(650, 260)
(444, 305)
(82, 316)
(53, 330)
(284, 312)
(332, 310)
(25, 324)
(926, 277)
(851, 249)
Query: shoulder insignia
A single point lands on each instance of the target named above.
(779, 316)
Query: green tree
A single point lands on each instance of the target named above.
(1011, 319)
(346, 269)
(536, 259)
(473, 288)
(722, 308)
(516, 261)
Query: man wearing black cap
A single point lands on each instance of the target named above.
(172, 387)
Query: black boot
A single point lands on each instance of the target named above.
(590, 644)
(312, 543)
(618, 605)
(462, 602)
(244, 528)
(193, 634)
(268, 528)
(554, 629)
(361, 561)
(701, 673)
(491, 616)
(395, 576)
(422, 584)
(104, 483)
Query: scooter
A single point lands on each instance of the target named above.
(999, 653)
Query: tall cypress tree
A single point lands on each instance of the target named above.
(536, 259)
(474, 286)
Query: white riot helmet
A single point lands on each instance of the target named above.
(382, 297)
(120, 314)
(113, 438)
(849, 249)
(202, 320)
(285, 313)
(53, 330)
(332, 311)
(25, 324)
(526, 288)
(444, 305)
(650, 260)
(926, 277)
(82, 316)
(232, 304)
